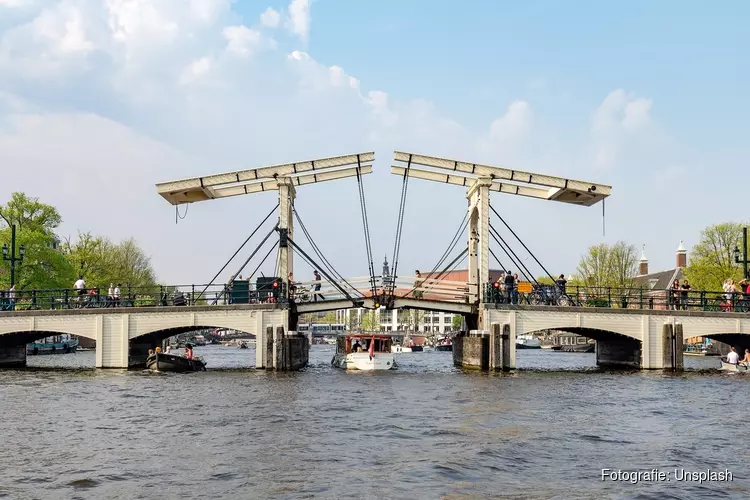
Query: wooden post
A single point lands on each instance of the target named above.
(678, 342)
(667, 340)
(269, 359)
(508, 348)
(496, 347)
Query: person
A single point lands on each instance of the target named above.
(561, 283)
(733, 358)
(357, 347)
(417, 284)
(111, 295)
(169, 348)
(685, 290)
(515, 288)
(509, 287)
(12, 298)
(317, 286)
(158, 349)
(80, 286)
(675, 295)
(189, 351)
(116, 295)
(292, 286)
(150, 352)
(746, 359)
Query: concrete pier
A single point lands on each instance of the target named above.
(13, 356)
(492, 350)
(278, 350)
(672, 347)
(620, 352)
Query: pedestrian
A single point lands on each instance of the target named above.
(317, 286)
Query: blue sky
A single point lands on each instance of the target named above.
(101, 100)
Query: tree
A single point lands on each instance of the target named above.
(329, 318)
(28, 214)
(609, 266)
(102, 262)
(457, 322)
(370, 321)
(43, 266)
(711, 261)
(353, 320)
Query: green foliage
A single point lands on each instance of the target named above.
(28, 214)
(609, 265)
(711, 261)
(42, 266)
(370, 320)
(353, 320)
(102, 262)
(329, 318)
(457, 321)
(49, 265)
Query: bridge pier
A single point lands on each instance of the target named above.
(13, 356)
(621, 352)
(492, 350)
(278, 350)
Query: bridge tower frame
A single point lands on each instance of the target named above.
(480, 180)
(284, 178)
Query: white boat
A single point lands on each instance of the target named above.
(527, 342)
(366, 352)
(727, 367)
(400, 348)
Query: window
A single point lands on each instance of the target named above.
(652, 283)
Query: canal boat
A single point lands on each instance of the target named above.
(366, 352)
(728, 367)
(162, 362)
(445, 345)
(52, 345)
(527, 342)
(396, 348)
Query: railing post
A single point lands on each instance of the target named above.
(609, 297)
(192, 295)
(33, 298)
(640, 301)
(67, 299)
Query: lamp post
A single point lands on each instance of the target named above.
(10, 254)
(737, 252)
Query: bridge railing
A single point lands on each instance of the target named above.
(302, 292)
(620, 298)
(430, 289)
(141, 296)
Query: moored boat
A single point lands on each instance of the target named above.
(55, 345)
(527, 342)
(399, 348)
(365, 352)
(162, 362)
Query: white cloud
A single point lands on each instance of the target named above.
(14, 3)
(195, 70)
(152, 85)
(619, 118)
(300, 18)
(270, 18)
(244, 41)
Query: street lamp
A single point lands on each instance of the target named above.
(10, 254)
(742, 260)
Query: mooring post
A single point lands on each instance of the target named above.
(508, 349)
(269, 349)
(496, 347)
(678, 343)
(667, 341)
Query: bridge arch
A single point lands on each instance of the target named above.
(22, 337)
(165, 333)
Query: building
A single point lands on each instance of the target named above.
(658, 284)
(415, 321)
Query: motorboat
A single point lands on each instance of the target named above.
(54, 345)
(527, 342)
(163, 362)
(395, 348)
(362, 351)
(728, 367)
(444, 345)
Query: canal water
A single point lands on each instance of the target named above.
(425, 431)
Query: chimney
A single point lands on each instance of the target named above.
(643, 265)
(681, 256)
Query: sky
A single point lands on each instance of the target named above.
(101, 100)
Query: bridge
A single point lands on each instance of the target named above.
(634, 330)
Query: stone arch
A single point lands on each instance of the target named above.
(165, 333)
(591, 333)
(22, 337)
